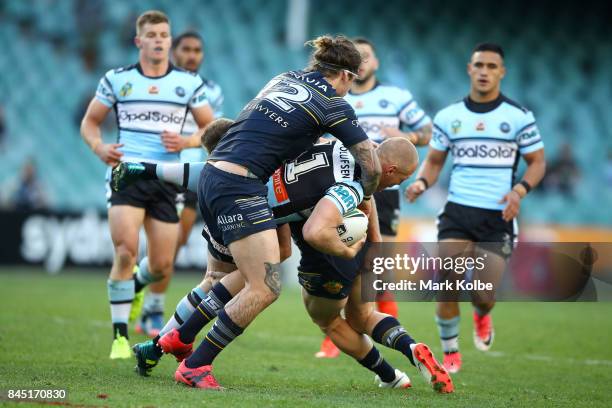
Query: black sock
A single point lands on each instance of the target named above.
(389, 332)
(373, 361)
(206, 311)
(120, 329)
(138, 285)
(223, 332)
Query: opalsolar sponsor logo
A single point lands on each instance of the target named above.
(151, 116)
(483, 151)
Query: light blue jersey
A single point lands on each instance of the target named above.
(386, 107)
(215, 98)
(485, 140)
(146, 106)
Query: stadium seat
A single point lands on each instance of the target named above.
(426, 57)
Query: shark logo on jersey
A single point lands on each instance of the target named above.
(383, 103)
(180, 91)
(125, 90)
(456, 126)
(504, 127)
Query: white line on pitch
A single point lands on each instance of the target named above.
(537, 357)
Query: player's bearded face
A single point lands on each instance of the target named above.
(486, 70)
(369, 63)
(189, 54)
(154, 41)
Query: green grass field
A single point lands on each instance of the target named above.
(54, 333)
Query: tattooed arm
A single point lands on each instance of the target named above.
(365, 156)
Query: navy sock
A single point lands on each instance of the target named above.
(389, 332)
(206, 311)
(373, 361)
(223, 332)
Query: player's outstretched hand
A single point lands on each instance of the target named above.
(354, 249)
(415, 190)
(173, 142)
(512, 208)
(109, 153)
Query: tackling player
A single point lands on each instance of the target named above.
(150, 99)
(486, 133)
(187, 53)
(327, 280)
(287, 116)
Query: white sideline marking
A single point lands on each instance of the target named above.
(537, 357)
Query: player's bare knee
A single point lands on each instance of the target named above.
(160, 268)
(212, 277)
(125, 256)
(357, 318)
(272, 280)
(326, 321)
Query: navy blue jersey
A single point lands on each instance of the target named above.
(326, 170)
(287, 116)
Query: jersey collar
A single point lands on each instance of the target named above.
(483, 107)
(139, 68)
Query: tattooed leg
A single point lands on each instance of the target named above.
(258, 260)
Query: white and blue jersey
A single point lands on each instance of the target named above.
(146, 106)
(214, 95)
(486, 140)
(387, 107)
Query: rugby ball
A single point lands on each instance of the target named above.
(354, 227)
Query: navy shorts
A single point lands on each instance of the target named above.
(324, 275)
(232, 206)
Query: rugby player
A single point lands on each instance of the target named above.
(486, 133)
(150, 99)
(287, 116)
(188, 54)
(327, 280)
(384, 112)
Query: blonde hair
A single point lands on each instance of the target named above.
(150, 17)
(333, 54)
